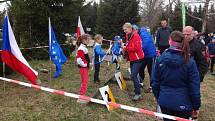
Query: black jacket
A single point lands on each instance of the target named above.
(197, 51)
(163, 36)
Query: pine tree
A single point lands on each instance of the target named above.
(176, 20)
(211, 25)
(29, 19)
(112, 14)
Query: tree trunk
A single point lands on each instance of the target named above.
(205, 17)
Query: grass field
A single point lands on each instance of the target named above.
(19, 103)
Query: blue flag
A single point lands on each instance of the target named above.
(55, 52)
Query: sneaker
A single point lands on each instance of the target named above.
(149, 90)
(141, 85)
(82, 101)
(136, 97)
(118, 67)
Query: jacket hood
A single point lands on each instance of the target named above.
(172, 59)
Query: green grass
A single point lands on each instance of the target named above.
(19, 103)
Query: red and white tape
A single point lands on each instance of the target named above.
(115, 105)
(39, 47)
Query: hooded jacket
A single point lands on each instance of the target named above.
(98, 53)
(134, 47)
(176, 85)
(147, 44)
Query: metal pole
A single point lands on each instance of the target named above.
(50, 72)
(4, 74)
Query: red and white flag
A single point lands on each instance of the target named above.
(12, 55)
(79, 30)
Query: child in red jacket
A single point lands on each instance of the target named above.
(83, 62)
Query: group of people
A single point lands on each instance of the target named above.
(175, 71)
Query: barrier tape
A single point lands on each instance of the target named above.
(39, 47)
(115, 105)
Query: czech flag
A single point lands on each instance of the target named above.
(12, 55)
(79, 30)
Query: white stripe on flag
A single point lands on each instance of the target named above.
(15, 48)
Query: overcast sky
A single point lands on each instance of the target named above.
(3, 5)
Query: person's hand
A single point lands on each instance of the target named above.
(195, 114)
(123, 47)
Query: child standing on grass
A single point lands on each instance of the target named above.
(83, 62)
(116, 50)
(98, 56)
(211, 49)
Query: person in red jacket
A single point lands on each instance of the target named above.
(83, 62)
(135, 56)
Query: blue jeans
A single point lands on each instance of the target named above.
(135, 68)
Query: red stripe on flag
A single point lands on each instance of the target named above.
(18, 66)
(84, 98)
(147, 112)
(115, 105)
(78, 32)
(59, 92)
(36, 86)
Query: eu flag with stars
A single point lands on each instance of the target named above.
(55, 51)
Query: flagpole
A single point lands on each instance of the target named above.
(183, 14)
(50, 73)
(50, 60)
(4, 74)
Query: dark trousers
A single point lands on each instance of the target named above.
(181, 114)
(146, 62)
(162, 48)
(117, 64)
(212, 63)
(96, 73)
(135, 68)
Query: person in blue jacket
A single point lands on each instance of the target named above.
(211, 49)
(175, 80)
(149, 50)
(116, 50)
(98, 56)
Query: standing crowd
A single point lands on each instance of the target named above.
(176, 69)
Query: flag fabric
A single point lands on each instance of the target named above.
(55, 52)
(12, 55)
(183, 14)
(79, 30)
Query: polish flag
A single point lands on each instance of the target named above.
(12, 55)
(79, 30)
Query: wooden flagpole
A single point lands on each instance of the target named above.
(4, 74)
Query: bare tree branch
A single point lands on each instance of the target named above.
(210, 14)
(189, 14)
